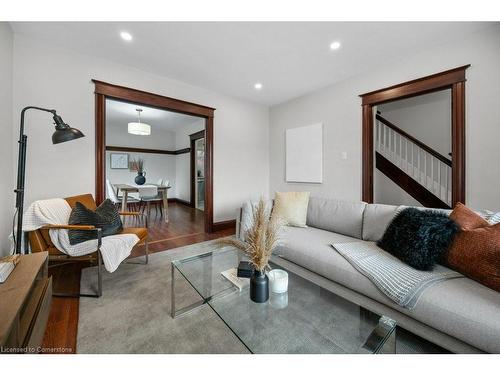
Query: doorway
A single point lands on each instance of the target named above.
(106, 91)
(454, 80)
(198, 170)
(413, 156)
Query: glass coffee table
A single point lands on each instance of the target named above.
(306, 319)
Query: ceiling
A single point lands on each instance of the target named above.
(119, 114)
(288, 58)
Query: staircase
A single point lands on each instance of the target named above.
(418, 169)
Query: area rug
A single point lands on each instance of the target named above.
(133, 314)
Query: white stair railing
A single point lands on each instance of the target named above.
(430, 171)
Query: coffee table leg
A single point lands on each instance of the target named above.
(389, 346)
(175, 313)
(172, 295)
(382, 340)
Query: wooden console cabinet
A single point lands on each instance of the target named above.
(25, 299)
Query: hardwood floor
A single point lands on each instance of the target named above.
(185, 227)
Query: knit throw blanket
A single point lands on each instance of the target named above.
(398, 281)
(114, 249)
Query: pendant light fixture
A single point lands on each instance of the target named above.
(139, 128)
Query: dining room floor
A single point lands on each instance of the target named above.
(185, 227)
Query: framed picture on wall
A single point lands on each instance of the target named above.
(119, 161)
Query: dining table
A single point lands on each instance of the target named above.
(126, 189)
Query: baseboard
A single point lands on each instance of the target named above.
(221, 225)
(181, 201)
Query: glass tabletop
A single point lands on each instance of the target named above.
(306, 319)
(203, 271)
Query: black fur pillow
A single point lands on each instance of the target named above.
(419, 237)
(106, 217)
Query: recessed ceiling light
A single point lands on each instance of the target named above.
(258, 86)
(126, 36)
(335, 45)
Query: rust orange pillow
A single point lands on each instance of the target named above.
(465, 218)
(475, 251)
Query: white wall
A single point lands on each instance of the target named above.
(426, 117)
(156, 166)
(50, 76)
(387, 192)
(339, 108)
(182, 161)
(7, 182)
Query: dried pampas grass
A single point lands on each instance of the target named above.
(261, 238)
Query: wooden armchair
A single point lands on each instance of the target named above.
(40, 241)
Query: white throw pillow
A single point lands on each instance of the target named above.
(291, 207)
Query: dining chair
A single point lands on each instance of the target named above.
(148, 195)
(113, 196)
(160, 182)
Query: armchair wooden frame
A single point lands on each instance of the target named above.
(61, 258)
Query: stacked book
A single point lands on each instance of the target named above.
(7, 265)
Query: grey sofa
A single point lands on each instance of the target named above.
(460, 314)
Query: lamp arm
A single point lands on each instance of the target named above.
(21, 128)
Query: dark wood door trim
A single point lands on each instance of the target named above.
(100, 147)
(419, 86)
(192, 164)
(105, 90)
(453, 79)
(137, 96)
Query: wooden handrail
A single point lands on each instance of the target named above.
(408, 183)
(420, 144)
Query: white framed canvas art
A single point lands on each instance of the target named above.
(119, 161)
(304, 154)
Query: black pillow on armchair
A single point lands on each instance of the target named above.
(419, 237)
(106, 217)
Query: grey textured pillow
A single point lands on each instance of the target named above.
(106, 217)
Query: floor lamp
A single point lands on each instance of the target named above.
(63, 133)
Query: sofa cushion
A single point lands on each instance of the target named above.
(419, 238)
(466, 218)
(440, 306)
(334, 215)
(142, 233)
(475, 252)
(291, 207)
(376, 219)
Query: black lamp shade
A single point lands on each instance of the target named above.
(66, 134)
